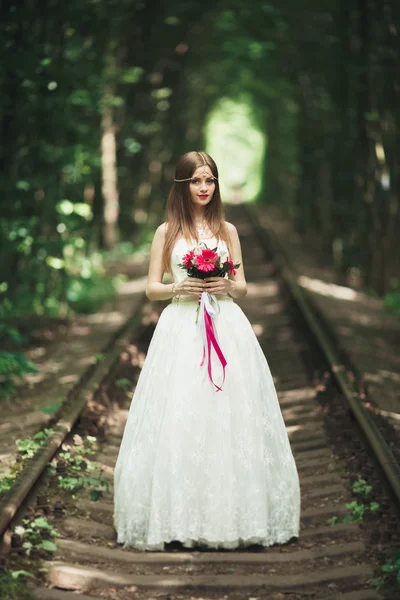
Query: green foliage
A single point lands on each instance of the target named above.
(56, 271)
(82, 473)
(13, 585)
(127, 249)
(52, 216)
(390, 570)
(332, 520)
(392, 303)
(8, 334)
(7, 479)
(88, 295)
(37, 534)
(13, 366)
(51, 409)
(358, 509)
(124, 383)
(361, 487)
(28, 446)
(76, 484)
(131, 75)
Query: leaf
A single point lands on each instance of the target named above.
(80, 98)
(161, 93)
(28, 545)
(23, 185)
(70, 483)
(123, 383)
(41, 522)
(42, 435)
(376, 581)
(371, 116)
(48, 545)
(388, 568)
(332, 520)
(132, 146)
(51, 409)
(131, 75)
(16, 574)
(19, 530)
(172, 20)
(95, 495)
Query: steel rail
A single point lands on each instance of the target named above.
(70, 411)
(319, 328)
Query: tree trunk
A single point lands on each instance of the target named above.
(109, 186)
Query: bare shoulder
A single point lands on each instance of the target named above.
(162, 230)
(231, 228)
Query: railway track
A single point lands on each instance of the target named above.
(334, 556)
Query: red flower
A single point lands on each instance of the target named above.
(232, 270)
(206, 260)
(187, 259)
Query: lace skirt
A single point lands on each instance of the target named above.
(198, 465)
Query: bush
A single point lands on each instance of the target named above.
(13, 586)
(392, 302)
(88, 295)
(13, 365)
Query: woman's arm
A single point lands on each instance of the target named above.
(155, 290)
(238, 281)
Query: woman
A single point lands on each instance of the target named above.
(200, 465)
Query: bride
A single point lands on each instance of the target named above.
(203, 463)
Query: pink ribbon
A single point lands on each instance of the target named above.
(207, 313)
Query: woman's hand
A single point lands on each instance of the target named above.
(218, 285)
(190, 285)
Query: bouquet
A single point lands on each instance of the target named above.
(202, 262)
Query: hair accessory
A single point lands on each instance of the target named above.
(205, 164)
(189, 178)
(204, 160)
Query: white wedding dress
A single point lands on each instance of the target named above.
(198, 465)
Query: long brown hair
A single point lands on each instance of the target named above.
(180, 212)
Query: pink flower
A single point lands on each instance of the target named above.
(187, 259)
(206, 260)
(232, 270)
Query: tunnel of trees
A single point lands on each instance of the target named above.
(99, 98)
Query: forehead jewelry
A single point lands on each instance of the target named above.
(203, 173)
(189, 178)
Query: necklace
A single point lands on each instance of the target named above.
(201, 229)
